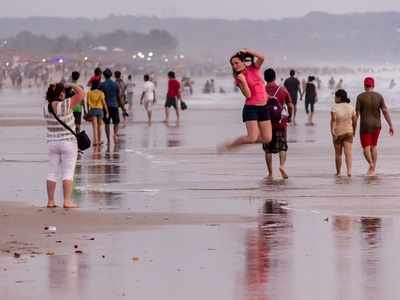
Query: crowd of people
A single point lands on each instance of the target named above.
(268, 110)
(270, 107)
(67, 104)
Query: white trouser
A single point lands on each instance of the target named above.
(62, 160)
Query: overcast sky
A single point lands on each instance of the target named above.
(226, 9)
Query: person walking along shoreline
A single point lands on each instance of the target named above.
(369, 106)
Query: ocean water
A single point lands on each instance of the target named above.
(352, 83)
(27, 103)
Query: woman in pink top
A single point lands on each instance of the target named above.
(252, 86)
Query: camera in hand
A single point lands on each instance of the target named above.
(69, 93)
(246, 57)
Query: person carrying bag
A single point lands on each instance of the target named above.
(62, 140)
(82, 138)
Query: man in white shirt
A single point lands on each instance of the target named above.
(148, 97)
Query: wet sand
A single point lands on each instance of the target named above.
(164, 216)
(21, 123)
(34, 225)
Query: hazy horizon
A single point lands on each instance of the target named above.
(259, 10)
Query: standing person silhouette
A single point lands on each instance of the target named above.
(174, 95)
(293, 86)
(310, 99)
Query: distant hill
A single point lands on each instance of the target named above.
(155, 40)
(316, 37)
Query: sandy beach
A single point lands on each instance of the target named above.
(34, 226)
(163, 215)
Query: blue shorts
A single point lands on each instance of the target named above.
(96, 112)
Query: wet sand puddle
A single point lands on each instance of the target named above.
(298, 255)
(285, 255)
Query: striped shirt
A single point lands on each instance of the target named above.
(55, 131)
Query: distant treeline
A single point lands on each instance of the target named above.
(363, 38)
(155, 40)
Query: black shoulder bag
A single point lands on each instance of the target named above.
(82, 138)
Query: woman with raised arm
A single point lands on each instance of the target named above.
(62, 144)
(255, 113)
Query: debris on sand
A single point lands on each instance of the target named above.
(51, 229)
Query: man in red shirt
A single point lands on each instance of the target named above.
(96, 76)
(279, 128)
(173, 96)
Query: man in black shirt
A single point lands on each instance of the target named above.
(292, 84)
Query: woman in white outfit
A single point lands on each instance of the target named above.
(62, 145)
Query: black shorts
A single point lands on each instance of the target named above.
(78, 117)
(113, 114)
(278, 142)
(171, 101)
(309, 106)
(255, 113)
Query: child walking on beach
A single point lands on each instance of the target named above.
(343, 125)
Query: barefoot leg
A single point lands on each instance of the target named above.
(268, 161)
(349, 157)
(251, 137)
(67, 188)
(51, 189)
(282, 161)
